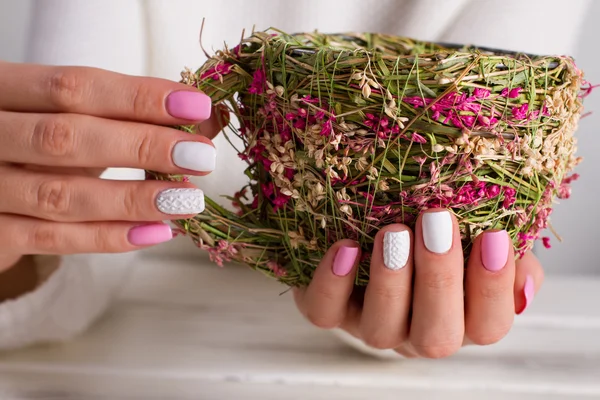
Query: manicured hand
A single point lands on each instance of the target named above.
(420, 300)
(60, 127)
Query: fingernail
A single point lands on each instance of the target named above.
(147, 235)
(528, 292)
(396, 248)
(344, 260)
(196, 156)
(180, 201)
(190, 105)
(494, 250)
(437, 231)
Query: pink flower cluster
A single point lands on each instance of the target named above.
(216, 72)
(276, 123)
(465, 111)
(385, 129)
(461, 110)
(259, 82)
(278, 199)
(564, 189)
(222, 252)
(277, 269)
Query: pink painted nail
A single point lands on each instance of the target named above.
(344, 260)
(494, 250)
(528, 292)
(193, 106)
(148, 235)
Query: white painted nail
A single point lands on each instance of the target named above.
(180, 201)
(396, 248)
(196, 156)
(437, 231)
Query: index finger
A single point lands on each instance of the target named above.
(101, 93)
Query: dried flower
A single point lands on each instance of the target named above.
(340, 149)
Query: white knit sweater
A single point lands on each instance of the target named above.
(160, 37)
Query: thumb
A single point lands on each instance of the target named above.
(219, 119)
(529, 276)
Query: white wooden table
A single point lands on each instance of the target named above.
(188, 330)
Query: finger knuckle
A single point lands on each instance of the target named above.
(67, 88)
(144, 103)
(54, 136)
(391, 294)
(146, 149)
(44, 237)
(440, 279)
(493, 291)
(132, 206)
(54, 197)
(103, 240)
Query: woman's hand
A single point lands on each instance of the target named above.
(60, 127)
(419, 301)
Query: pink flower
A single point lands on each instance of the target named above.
(511, 93)
(280, 201)
(415, 101)
(418, 138)
(492, 191)
(546, 242)
(520, 113)
(545, 111)
(509, 197)
(217, 71)
(289, 173)
(514, 93)
(259, 81)
(327, 128)
(468, 120)
(277, 269)
(481, 93)
(267, 189)
(487, 121)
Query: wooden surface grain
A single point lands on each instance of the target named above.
(183, 329)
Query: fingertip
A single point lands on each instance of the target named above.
(347, 253)
(219, 119)
(189, 105)
(528, 281)
(439, 232)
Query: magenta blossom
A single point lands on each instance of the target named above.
(216, 72)
(520, 113)
(258, 84)
(481, 93)
(546, 242)
(511, 93)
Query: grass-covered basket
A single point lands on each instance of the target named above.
(344, 134)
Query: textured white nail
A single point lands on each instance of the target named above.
(396, 248)
(196, 156)
(437, 231)
(180, 201)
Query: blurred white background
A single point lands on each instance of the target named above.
(576, 219)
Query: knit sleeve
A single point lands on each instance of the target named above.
(545, 27)
(73, 292)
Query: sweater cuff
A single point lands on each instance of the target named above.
(73, 291)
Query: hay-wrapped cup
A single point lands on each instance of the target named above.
(344, 134)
